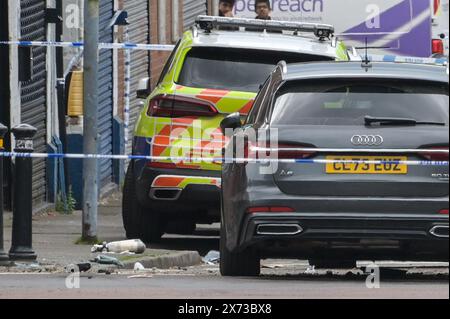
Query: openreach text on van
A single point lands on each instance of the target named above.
(282, 6)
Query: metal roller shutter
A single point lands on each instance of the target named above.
(105, 94)
(139, 32)
(192, 9)
(33, 92)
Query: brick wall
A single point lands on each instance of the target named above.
(158, 59)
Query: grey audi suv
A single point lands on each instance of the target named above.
(361, 169)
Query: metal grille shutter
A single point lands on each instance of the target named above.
(105, 80)
(139, 32)
(33, 92)
(192, 9)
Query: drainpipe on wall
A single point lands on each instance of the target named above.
(175, 20)
(215, 7)
(162, 22)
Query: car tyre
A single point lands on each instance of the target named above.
(139, 222)
(244, 264)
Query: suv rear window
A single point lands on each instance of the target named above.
(232, 69)
(348, 102)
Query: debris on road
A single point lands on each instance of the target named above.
(77, 268)
(130, 246)
(107, 260)
(212, 258)
(25, 266)
(138, 267)
(311, 270)
(139, 276)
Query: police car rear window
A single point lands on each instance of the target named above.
(232, 69)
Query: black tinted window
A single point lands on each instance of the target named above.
(343, 102)
(231, 69)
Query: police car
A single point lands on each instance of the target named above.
(216, 69)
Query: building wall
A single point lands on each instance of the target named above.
(159, 58)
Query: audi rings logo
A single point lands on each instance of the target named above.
(368, 140)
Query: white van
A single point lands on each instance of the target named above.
(396, 27)
(440, 27)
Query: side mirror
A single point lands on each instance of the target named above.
(232, 121)
(143, 90)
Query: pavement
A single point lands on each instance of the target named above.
(55, 236)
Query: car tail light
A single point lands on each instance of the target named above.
(270, 209)
(179, 106)
(437, 156)
(288, 151)
(437, 5)
(162, 165)
(285, 151)
(437, 46)
(443, 211)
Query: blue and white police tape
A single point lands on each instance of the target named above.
(223, 160)
(406, 59)
(104, 46)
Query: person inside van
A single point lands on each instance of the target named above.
(226, 8)
(263, 9)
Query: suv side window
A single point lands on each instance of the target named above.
(168, 63)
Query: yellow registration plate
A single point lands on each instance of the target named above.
(367, 168)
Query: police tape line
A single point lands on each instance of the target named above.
(104, 46)
(221, 159)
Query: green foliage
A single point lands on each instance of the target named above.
(70, 202)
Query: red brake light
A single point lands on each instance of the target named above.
(179, 106)
(443, 211)
(287, 151)
(270, 209)
(438, 157)
(161, 165)
(437, 4)
(437, 46)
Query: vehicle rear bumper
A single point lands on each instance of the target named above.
(408, 237)
(199, 191)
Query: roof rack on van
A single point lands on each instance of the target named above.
(322, 31)
(407, 59)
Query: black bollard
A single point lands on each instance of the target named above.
(3, 256)
(21, 246)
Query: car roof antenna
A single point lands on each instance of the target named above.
(366, 63)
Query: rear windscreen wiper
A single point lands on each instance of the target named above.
(369, 120)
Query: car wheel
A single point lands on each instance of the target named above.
(245, 263)
(139, 222)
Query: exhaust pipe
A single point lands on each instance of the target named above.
(279, 230)
(439, 231)
(165, 194)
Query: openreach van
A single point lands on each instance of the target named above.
(395, 27)
(440, 26)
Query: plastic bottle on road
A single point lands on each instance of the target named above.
(133, 246)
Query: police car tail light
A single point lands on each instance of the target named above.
(179, 106)
(438, 46)
(439, 153)
(443, 211)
